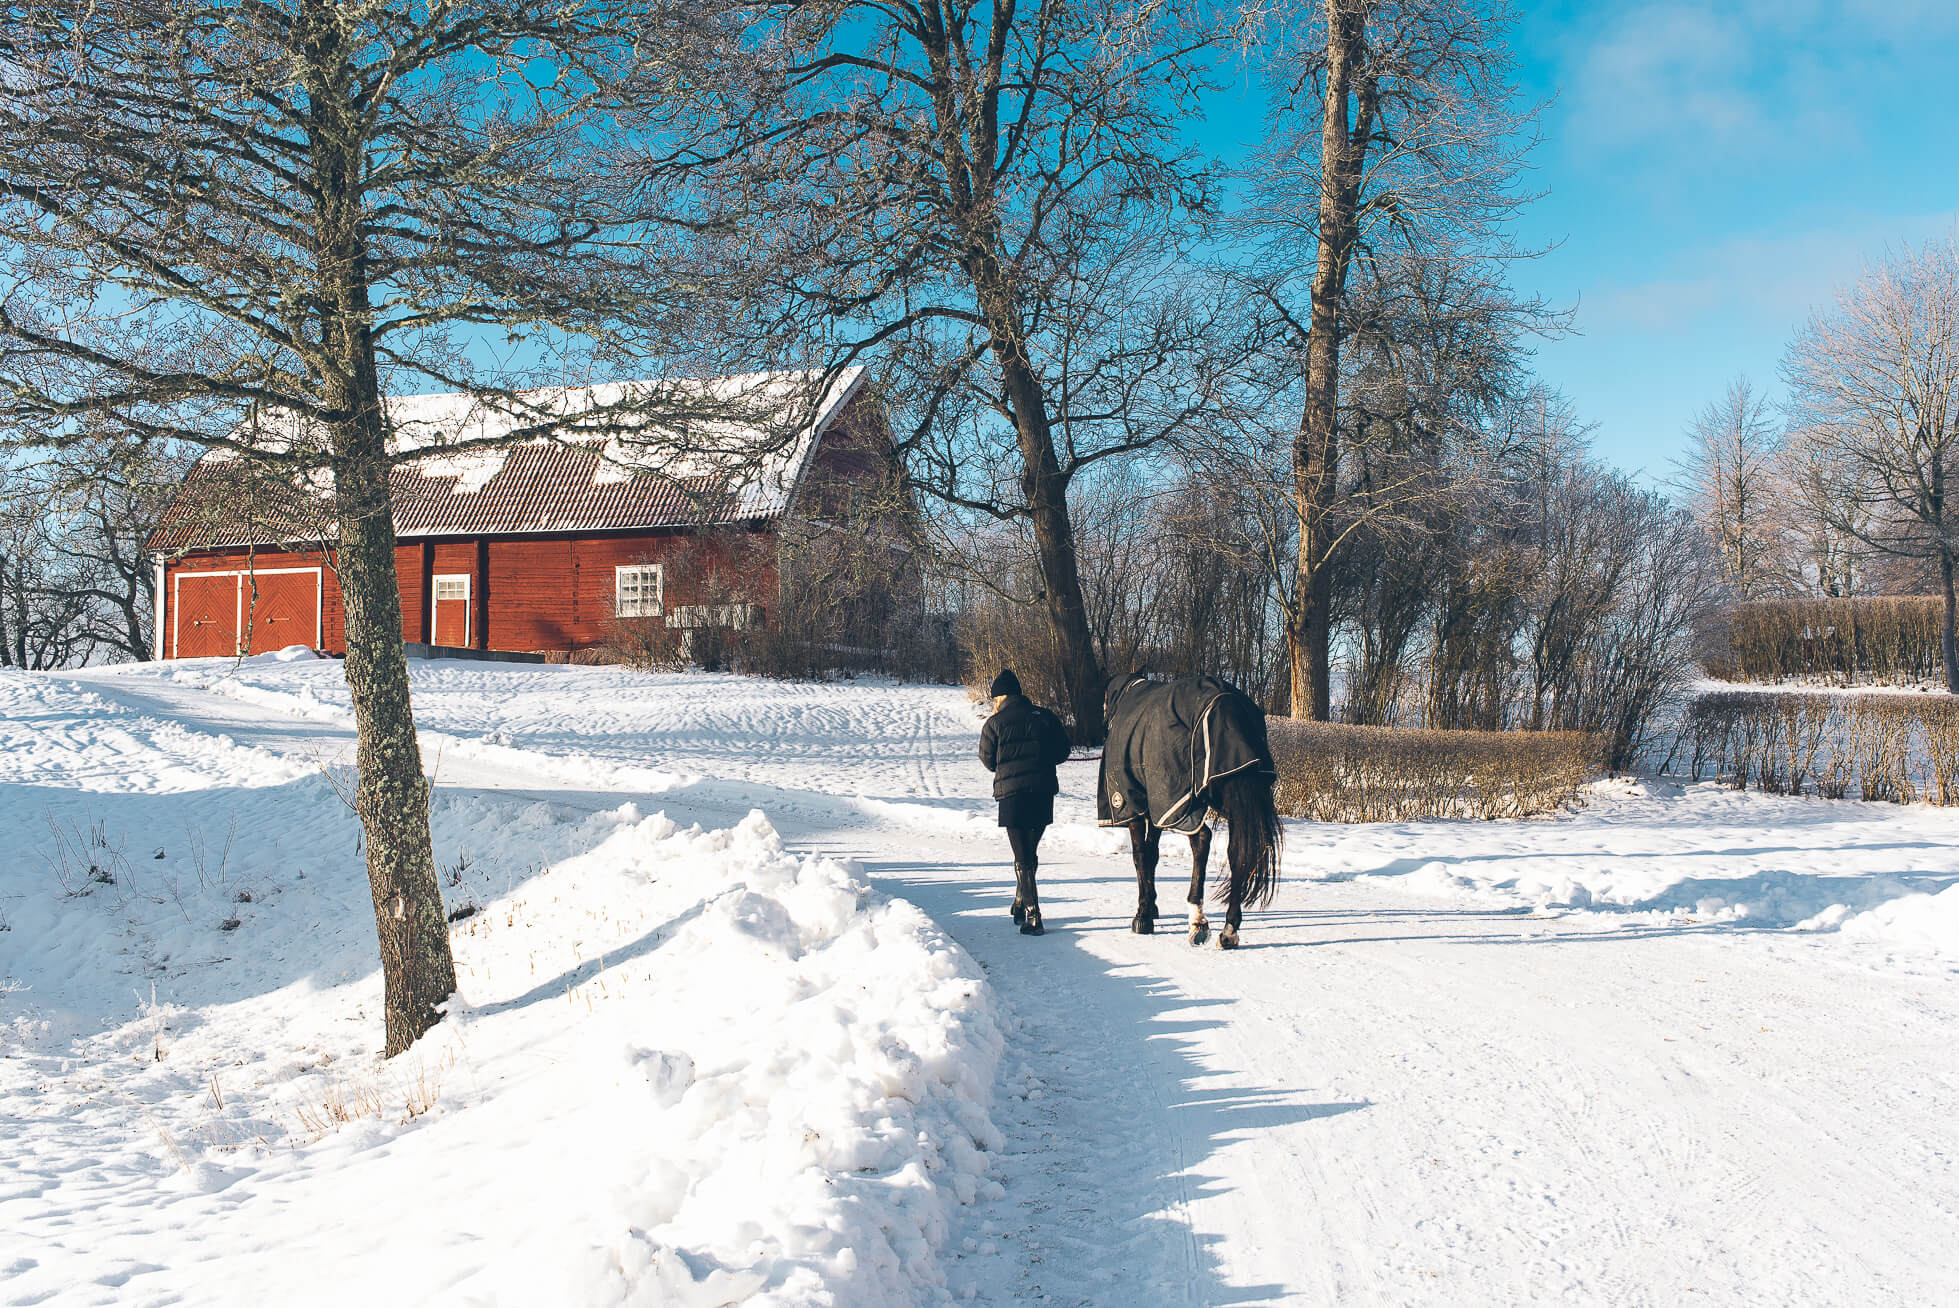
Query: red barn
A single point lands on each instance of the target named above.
(536, 547)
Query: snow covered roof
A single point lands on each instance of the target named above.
(724, 451)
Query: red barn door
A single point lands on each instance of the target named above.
(207, 614)
(286, 612)
(451, 600)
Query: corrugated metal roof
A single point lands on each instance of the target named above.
(546, 485)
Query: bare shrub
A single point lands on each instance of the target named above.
(637, 643)
(1894, 748)
(838, 599)
(1805, 729)
(1940, 721)
(997, 633)
(1335, 773)
(1880, 732)
(1889, 640)
(83, 855)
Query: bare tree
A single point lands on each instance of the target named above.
(1586, 536)
(105, 497)
(1728, 476)
(1001, 217)
(1640, 651)
(1398, 133)
(1432, 405)
(1874, 382)
(42, 610)
(1811, 491)
(245, 225)
(1174, 579)
(1500, 590)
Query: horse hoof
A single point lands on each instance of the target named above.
(1200, 933)
(1018, 911)
(1143, 926)
(1032, 926)
(1227, 940)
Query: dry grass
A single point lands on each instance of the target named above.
(1897, 748)
(342, 1102)
(1890, 640)
(339, 1105)
(1334, 773)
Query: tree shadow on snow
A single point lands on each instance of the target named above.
(573, 977)
(1097, 1194)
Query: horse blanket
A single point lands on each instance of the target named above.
(1168, 741)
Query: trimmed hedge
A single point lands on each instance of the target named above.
(1886, 639)
(1330, 772)
(1876, 747)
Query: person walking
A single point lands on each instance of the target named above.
(1021, 745)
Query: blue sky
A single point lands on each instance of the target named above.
(1712, 171)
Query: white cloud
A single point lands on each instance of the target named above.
(1771, 281)
(1744, 81)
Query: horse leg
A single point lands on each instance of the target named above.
(1145, 841)
(1237, 853)
(1200, 855)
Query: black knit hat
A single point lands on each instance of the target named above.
(1004, 684)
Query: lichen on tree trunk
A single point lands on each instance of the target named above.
(392, 795)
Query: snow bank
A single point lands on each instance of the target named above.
(814, 1087)
(685, 1066)
(1915, 921)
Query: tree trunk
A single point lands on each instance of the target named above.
(1316, 450)
(391, 796)
(141, 647)
(1309, 642)
(1946, 640)
(1046, 492)
(1054, 540)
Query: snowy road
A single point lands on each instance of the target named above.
(1415, 1084)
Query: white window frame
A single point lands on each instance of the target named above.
(435, 592)
(639, 607)
(238, 598)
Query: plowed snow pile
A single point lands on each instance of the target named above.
(685, 1067)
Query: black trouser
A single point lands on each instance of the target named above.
(1026, 842)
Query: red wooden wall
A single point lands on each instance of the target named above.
(532, 594)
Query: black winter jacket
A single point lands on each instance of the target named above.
(1020, 745)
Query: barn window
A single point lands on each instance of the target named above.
(451, 588)
(639, 591)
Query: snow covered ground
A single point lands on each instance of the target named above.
(1682, 1045)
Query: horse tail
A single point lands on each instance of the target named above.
(1245, 801)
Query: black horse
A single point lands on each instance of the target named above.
(1178, 753)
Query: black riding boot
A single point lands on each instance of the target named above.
(1030, 902)
(1019, 910)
